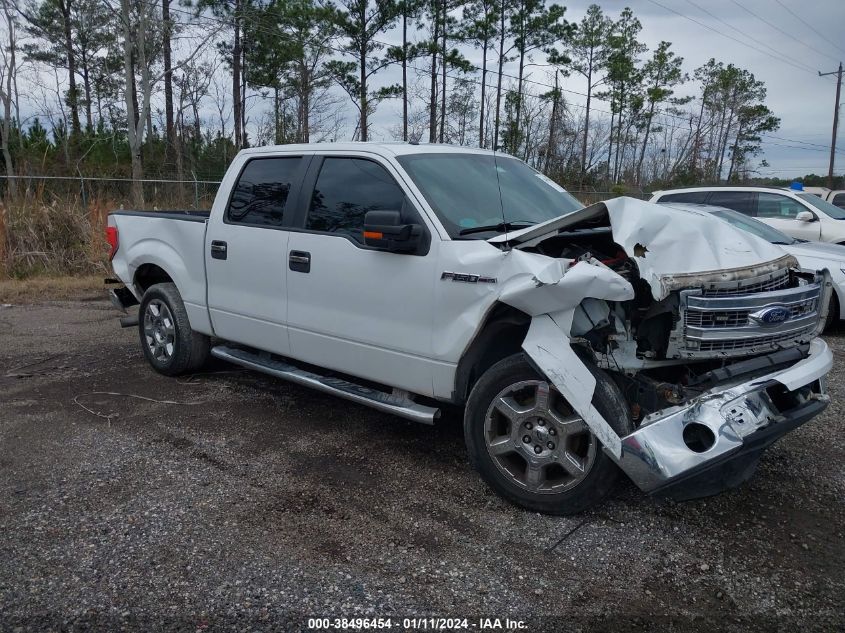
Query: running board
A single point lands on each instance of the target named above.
(397, 403)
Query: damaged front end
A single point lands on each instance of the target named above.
(709, 333)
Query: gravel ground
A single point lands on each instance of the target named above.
(245, 503)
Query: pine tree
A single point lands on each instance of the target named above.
(587, 57)
(362, 22)
(533, 27)
(480, 29)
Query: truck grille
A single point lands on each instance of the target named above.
(739, 323)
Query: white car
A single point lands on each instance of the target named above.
(836, 198)
(579, 341)
(802, 215)
(810, 255)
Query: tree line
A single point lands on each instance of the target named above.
(149, 88)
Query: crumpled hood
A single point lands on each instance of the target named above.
(673, 248)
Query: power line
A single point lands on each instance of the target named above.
(780, 30)
(787, 60)
(810, 26)
(805, 149)
(777, 54)
(792, 140)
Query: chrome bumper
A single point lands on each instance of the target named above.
(657, 454)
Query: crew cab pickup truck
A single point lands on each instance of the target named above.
(580, 342)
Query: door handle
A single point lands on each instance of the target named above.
(299, 261)
(219, 249)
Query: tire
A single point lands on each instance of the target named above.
(574, 472)
(167, 340)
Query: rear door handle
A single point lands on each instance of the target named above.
(219, 249)
(300, 261)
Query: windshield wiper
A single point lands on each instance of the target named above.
(500, 227)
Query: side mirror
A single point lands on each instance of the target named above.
(384, 230)
(806, 216)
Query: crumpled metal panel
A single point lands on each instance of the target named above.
(673, 248)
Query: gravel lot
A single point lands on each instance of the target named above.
(247, 503)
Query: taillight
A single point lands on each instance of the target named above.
(112, 239)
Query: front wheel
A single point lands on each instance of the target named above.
(169, 343)
(529, 445)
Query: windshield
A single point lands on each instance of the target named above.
(464, 191)
(823, 205)
(755, 227)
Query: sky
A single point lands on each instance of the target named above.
(767, 40)
(796, 93)
(761, 36)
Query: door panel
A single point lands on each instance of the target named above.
(246, 256)
(247, 290)
(363, 312)
(358, 310)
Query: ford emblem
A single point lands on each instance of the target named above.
(770, 315)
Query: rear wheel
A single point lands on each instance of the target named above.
(168, 342)
(529, 445)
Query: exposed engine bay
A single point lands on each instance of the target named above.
(683, 332)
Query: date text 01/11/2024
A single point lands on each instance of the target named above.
(416, 624)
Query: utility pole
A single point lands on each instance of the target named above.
(838, 74)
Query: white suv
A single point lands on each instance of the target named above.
(796, 213)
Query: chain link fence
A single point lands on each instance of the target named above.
(57, 223)
(170, 194)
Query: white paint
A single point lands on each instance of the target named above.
(550, 349)
(389, 317)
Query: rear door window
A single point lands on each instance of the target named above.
(694, 197)
(742, 201)
(260, 196)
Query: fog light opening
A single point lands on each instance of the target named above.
(698, 437)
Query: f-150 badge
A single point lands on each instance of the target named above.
(468, 278)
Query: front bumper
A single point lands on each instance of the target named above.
(714, 442)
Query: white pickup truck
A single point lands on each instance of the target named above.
(580, 341)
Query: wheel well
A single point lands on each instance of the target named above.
(834, 303)
(500, 336)
(148, 275)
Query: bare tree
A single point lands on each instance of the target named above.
(137, 18)
(8, 70)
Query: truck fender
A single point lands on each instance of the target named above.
(551, 297)
(549, 348)
(158, 253)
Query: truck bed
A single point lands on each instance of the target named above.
(189, 215)
(172, 240)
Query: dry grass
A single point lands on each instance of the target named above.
(52, 250)
(38, 289)
(53, 239)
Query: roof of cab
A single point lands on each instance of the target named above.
(383, 149)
